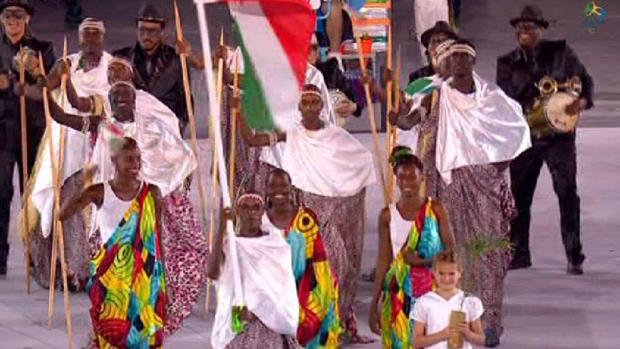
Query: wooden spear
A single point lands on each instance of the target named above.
(58, 228)
(389, 129)
(54, 256)
(373, 123)
(233, 130)
(192, 119)
(25, 194)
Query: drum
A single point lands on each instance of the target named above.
(548, 116)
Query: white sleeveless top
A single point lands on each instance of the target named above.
(399, 229)
(111, 212)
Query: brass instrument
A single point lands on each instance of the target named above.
(548, 115)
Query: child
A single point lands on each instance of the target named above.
(431, 313)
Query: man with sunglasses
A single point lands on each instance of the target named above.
(157, 67)
(15, 16)
(518, 73)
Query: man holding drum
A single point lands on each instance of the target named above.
(534, 74)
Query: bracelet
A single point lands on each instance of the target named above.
(85, 124)
(91, 107)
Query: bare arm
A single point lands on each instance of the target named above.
(384, 260)
(421, 339)
(216, 255)
(159, 204)
(475, 334)
(257, 139)
(74, 121)
(90, 195)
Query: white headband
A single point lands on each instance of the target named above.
(464, 48)
(92, 23)
(442, 51)
(121, 61)
(312, 92)
(125, 83)
(250, 196)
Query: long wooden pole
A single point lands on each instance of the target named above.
(373, 124)
(58, 228)
(192, 118)
(25, 194)
(54, 255)
(233, 130)
(388, 139)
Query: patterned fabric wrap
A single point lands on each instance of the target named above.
(317, 286)
(127, 286)
(403, 283)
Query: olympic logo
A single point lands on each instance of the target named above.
(595, 16)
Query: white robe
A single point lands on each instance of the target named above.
(273, 155)
(481, 128)
(93, 82)
(268, 284)
(328, 162)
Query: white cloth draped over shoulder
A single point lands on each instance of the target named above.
(273, 155)
(269, 289)
(328, 162)
(480, 128)
(93, 82)
(166, 158)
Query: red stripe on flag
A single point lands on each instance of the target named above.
(293, 22)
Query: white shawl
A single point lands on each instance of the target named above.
(328, 162)
(268, 283)
(482, 128)
(93, 82)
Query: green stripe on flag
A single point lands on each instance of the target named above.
(255, 107)
(422, 85)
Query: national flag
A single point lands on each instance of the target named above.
(274, 36)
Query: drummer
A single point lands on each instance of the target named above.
(517, 74)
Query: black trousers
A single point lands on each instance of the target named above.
(558, 152)
(11, 156)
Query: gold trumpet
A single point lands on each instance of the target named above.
(548, 85)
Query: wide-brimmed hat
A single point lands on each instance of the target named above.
(17, 3)
(149, 13)
(531, 13)
(439, 27)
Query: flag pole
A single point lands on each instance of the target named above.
(214, 108)
(215, 161)
(58, 228)
(373, 122)
(25, 194)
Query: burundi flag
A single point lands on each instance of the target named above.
(274, 36)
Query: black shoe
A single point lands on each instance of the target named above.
(3, 271)
(574, 269)
(491, 339)
(520, 263)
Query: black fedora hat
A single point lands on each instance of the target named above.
(17, 3)
(531, 13)
(439, 27)
(149, 13)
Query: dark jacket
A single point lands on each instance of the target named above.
(518, 74)
(10, 115)
(166, 79)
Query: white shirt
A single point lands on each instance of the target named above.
(434, 311)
